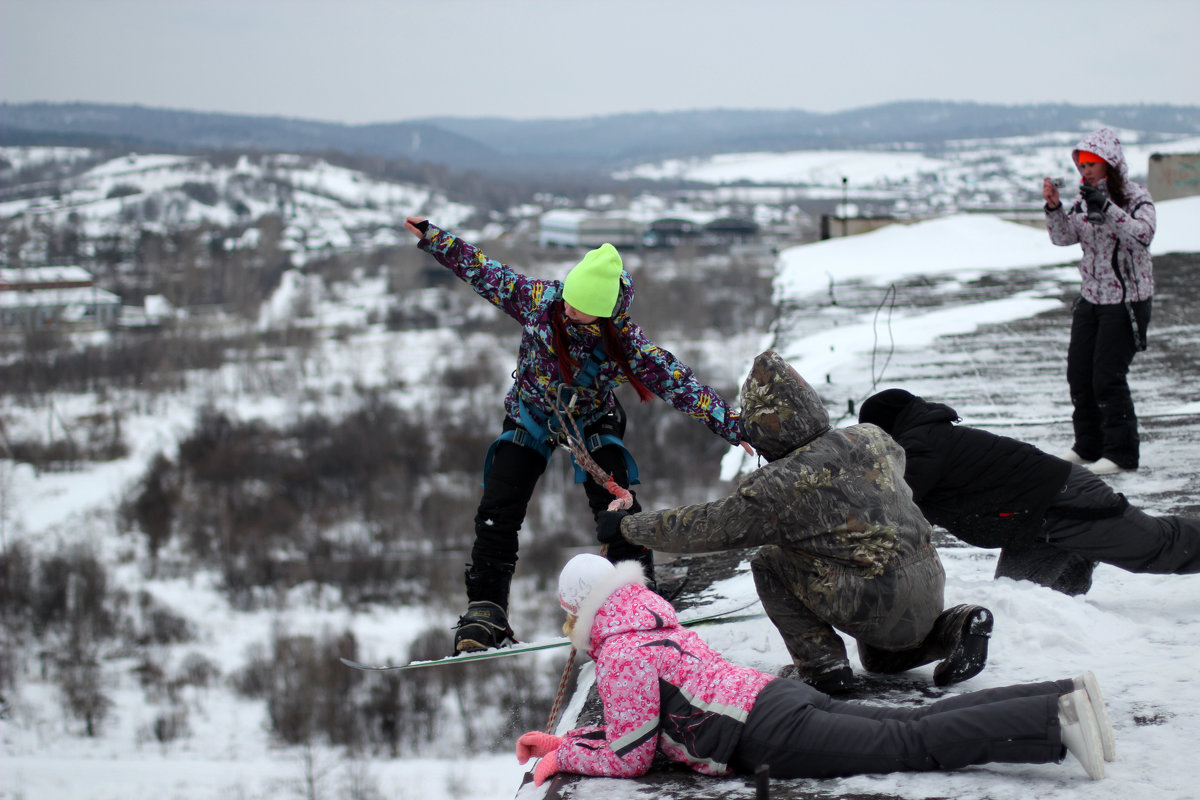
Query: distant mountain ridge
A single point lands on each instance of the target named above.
(592, 144)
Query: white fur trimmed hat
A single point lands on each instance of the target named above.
(577, 578)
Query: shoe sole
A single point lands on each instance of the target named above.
(970, 656)
(468, 644)
(1109, 468)
(1092, 688)
(1079, 705)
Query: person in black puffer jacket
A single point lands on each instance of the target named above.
(1051, 519)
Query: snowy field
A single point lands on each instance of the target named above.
(1139, 633)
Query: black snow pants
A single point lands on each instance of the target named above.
(508, 488)
(1087, 523)
(1091, 520)
(799, 732)
(1098, 358)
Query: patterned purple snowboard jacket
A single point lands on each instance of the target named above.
(529, 302)
(1116, 265)
(663, 688)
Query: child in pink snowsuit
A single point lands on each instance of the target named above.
(665, 691)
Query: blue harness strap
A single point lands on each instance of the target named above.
(598, 440)
(536, 433)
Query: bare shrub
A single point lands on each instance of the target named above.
(72, 592)
(197, 670)
(157, 624)
(203, 193)
(171, 724)
(153, 508)
(123, 190)
(71, 599)
(144, 363)
(542, 558)
(82, 685)
(307, 690)
(17, 567)
(256, 500)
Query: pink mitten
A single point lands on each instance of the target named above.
(545, 768)
(536, 744)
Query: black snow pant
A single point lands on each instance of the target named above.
(508, 488)
(1098, 358)
(1087, 523)
(798, 732)
(1091, 520)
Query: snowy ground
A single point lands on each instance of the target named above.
(1138, 633)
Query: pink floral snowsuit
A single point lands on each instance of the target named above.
(664, 690)
(662, 687)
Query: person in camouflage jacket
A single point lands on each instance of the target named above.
(571, 359)
(841, 544)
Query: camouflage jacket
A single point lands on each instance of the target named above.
(836, 496)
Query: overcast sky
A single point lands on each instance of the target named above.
(360, 61)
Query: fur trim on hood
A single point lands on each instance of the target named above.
(625, 573)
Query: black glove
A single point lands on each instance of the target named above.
(1096, 201)
(422, 226)
(608, 526)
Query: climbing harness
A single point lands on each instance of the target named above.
(572, 440)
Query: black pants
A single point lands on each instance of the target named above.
(1089, 519)
(509, 486)
(1098, 358)
(801, 733)
(1087, 523)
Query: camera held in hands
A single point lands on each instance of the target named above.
(1058, 183)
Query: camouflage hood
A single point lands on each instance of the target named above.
(780, 411)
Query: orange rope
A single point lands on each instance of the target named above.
(622, 498)
(562, 690)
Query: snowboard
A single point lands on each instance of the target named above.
(731, 614)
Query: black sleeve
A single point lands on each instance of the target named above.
(923, 465)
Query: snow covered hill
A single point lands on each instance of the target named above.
(998, 175)
(327, 208)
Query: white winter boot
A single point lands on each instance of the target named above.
(1088, 683)
(1081, 732)
(1074, 457)
(1106, 466)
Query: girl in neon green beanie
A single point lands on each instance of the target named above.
(578, 342)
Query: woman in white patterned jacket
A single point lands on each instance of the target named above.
(1113, 220)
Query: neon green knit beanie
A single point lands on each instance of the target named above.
(593, 284)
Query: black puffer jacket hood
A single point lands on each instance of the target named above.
(780, 411)
(895, 410)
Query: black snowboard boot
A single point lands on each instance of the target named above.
(964, 632)
(834, 678)
(484, 626)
